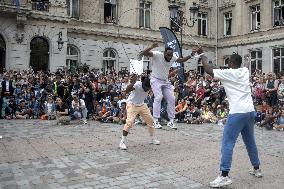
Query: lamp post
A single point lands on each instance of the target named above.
(178, 21)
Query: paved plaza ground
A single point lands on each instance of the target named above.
(40, 154)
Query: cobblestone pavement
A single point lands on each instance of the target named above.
(40, 154)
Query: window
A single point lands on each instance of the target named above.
(202, 24)
(73, 9)
(110, 10)
(255, 17)
(40, 5)
(109, 61)
(146, 62)
(278, 60)
(72, 59)
(228, 23)
(278, 13)
(144, 14)
(255, 61)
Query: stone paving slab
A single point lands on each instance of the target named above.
(101, 169)
(39, 154)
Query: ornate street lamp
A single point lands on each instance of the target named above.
(178, 21)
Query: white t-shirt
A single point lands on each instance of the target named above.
(77, 105)
(138, 95)
(161, 67)
(237, 86)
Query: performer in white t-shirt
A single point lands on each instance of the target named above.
(160, 84)
(135, 105)
(241, 116)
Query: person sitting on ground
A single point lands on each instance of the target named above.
(270, 118)
(33, 108)
(62, 112)
(123, 113)
(10, 110)
(21, 112)
(113, 113)
(279, 123)
(181, 110)
(222, 114)
(79, 108)
(207, 115)
(193, 114)
(49, 109)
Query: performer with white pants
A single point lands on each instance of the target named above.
(161, 86)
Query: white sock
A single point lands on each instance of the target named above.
(171, 120)
(123, 138)
(156, 119)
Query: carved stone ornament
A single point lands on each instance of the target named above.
(19, 37)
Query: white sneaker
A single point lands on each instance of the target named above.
(171, 125)
(157, 125)
(85, 122)
(154, 141)
(122, 146)
(221, 181)
(257, 173)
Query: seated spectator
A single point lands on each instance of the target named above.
(181, 110)
(49, 109)
(270, 118)
(62, 112)
(279, 123)
(113, 114)
(10, 110)
(79, 108)
(18, 89)
(22, 112)
(222, 114)
(122, 113)
(208, 116)
(104, 112)
(33, 108)
(193, 114)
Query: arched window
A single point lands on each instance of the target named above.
(109, 61)
(2, 54)
(39, 59)
(72, 59)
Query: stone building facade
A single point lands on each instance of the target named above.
(104, 34)
(99, 33)
(253, 29)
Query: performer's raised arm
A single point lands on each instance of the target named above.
(130, 87)
(186, 58)
(148, 52)
(207, 68)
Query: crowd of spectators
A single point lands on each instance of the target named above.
(93, 95)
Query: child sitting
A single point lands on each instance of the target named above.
(279, 123)
(49, 109)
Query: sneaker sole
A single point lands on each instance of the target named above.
(122, 148)
(221, 185)
(153, 143)
(174, 128)
(255, 175)
(158, 127)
